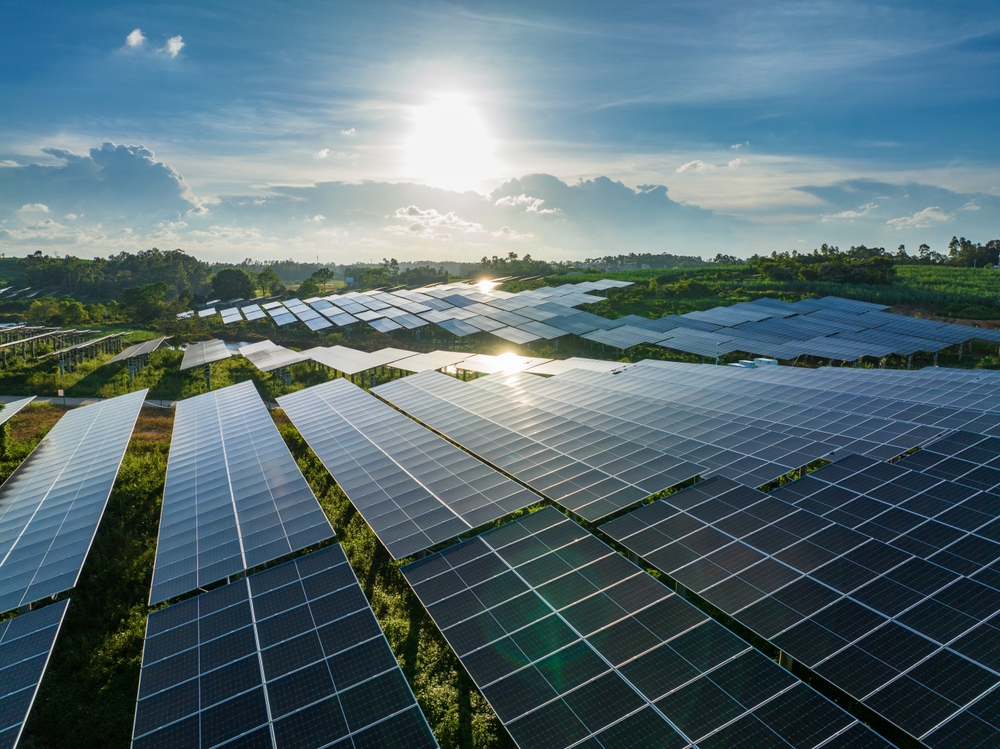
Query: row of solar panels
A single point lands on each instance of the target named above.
(831, 327)
(549, 621)
(937, 688)
(50, 508)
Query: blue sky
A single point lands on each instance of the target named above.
(448, 131)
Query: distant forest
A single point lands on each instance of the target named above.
(187, 279)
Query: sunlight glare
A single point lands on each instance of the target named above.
(450, 147)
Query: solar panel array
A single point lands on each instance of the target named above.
(51, 505)
(26, 643)
(883, 580)
(586, 470)
(204, 352)
(234, 497)
(413, 488)
(573, 645)
(829, 328)
(289, 657)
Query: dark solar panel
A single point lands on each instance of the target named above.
(289, 657)
(588, 471)
(26, 643)
(234, 497)
(878, 578)
(51, 505)
(412, 487)
(570, 642)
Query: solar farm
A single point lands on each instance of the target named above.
(616, 554)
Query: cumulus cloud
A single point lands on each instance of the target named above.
(322, 153)
(317, 218)
(350, 131)
(972, 205)
(921, 219)
(35, 208)
(174, 46)
(694, 166)
(71, 217)
(531, 205)
(737, 163)
(135, 39)
(861, 211)
(738, 146)
(431, 223)
(505, 232)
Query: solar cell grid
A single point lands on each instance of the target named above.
(590, 472)
(862, 575)
(413, 488)
(570, 642)
(51, 505)
(204, 352)
(291, 656)
(26, 642)
(233, 498)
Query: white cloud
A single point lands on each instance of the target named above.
(737, 163)
(738, 146)
(694, 166)
(970, 206)
(506, 232)
(531, 205)
(322, 153)
(71, 216)
(135, 39)
(35, 208)
(8, 164)
(174, 46)
(317, 218)
(921, 219)
(862, 210)
(431, 223)
(351, 131)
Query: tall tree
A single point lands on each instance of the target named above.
(232, 283)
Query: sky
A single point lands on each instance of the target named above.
(448, 131)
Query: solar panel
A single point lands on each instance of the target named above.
(413, 488)
(318, 323)
(487, 364)
(573, 645)
(26, 642)
(288, 657)
(515, 335)
(234, 497)
(206, 312)
(560, 366)
(284, 318)
(459, 328)
(139, 349)
(51, 505)
(204, 352)
(432, 360)
(856, 583)
(384, 325)
(590, 472)
(268, 356)
(12, 408)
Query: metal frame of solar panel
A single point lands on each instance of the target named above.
(878, 596)
(52, 503)
(292, 656)
(414, 489)
(234, 497)
(11, 409)
(26, 643)
(573, 645)
(588, 471)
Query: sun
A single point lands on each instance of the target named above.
(450, 146)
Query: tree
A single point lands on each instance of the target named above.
(323, 276)
(145, 303)
(232, 283)
(308, 288)
(269, 282)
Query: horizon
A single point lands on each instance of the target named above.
(340, 136)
